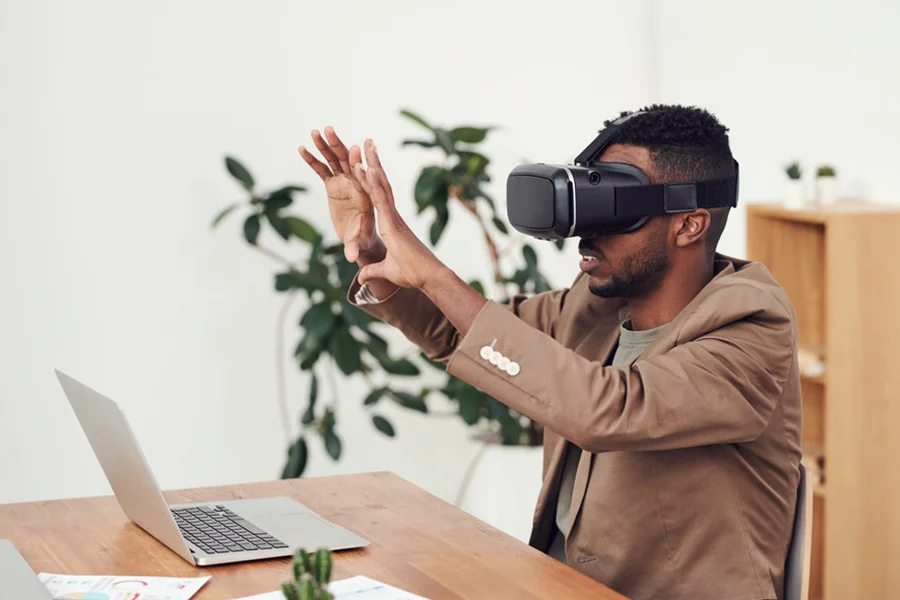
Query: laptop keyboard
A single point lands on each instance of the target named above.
(217, 530)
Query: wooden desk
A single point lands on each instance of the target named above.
(419, 543)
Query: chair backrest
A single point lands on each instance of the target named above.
(796, 572)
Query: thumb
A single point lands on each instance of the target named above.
(351, 250)
(369, 272)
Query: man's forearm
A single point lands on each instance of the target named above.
(459, 302)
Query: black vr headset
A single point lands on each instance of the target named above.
(600, 198)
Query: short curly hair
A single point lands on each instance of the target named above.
(686, 144)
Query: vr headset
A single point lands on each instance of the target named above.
(601, 198)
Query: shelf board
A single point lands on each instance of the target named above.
(817, 379)
(819, 215)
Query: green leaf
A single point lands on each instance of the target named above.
(560, 243)
(239, 172)
(345, 350)
(488, 199)
(278, 224)
(318, 317)
(356, 316)
(469, 135)
(346, 271)
(407, 400)
(470, 402)
(378, 349)
(302, 229)
(289, 189)
(278, 200)
(530, 256)
(423, 143)
(510, 432)
(374, 396)
(500, 225)
(297, 279)
(473, 163)
(414, 117)
(445, 140)
(477, 286)
(310, 415)
(437, 227)
(383, 425)
(402, 367)
(310, 359)
(332, 445)
(224, 213)
(431, 187)
(296, 462)
(251, 229)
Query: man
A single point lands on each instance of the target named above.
(665, 376)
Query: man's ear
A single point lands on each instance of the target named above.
(691, 227)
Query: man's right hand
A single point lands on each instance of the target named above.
(351, 208)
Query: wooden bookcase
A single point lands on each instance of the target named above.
(841, 269)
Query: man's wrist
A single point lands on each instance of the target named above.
(439, 280)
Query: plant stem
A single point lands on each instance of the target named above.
(280, 380)
(275, 256)
(332, 383)
(492, 246)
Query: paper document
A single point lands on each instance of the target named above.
(104, 587)
(355, 588)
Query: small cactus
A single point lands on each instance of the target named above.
(825, 171)
(323, 566)
(311, 576)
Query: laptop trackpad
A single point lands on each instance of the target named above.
(298, 529)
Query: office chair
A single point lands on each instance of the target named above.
(796, 572)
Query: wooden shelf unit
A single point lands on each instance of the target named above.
(841, 269)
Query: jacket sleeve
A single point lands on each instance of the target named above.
(720, 387)
(417, 317)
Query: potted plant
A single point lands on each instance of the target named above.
(826, 185)
(311, 576)
(335, 337)
(794, 198)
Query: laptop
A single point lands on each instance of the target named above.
(18, 582)
(202, 533)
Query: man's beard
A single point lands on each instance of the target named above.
(642, 274)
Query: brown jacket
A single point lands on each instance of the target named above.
(687, 481)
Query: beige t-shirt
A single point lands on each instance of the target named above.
(631, 344)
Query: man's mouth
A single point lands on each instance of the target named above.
(589, 260)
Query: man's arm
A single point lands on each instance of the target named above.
(720, 388)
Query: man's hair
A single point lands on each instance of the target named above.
(686, 144)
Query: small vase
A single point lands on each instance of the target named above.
(826, 191)
(793, 198)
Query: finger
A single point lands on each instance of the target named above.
(383, 201)
(339, 149)
(374, 162)
(352, 244)
(359, 175)
(327, 152)
(355, 159)
(318, 166)
(369, 272)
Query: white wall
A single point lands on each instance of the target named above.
(813, 80)
(115, 117)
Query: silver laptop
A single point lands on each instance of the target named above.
(208, 533)
(18, 582)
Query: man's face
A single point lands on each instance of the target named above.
(627, 265)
